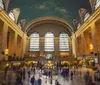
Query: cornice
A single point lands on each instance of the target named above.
(6, 19)
(49, 20)
(92, 19)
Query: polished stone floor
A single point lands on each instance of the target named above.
(77, 78)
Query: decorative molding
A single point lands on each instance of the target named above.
(6, 19)
(49, 20)
(93, 18)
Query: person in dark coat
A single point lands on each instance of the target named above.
(32, 80)
(39, 80)
(71, 74)
(24, 73)
(29, 74)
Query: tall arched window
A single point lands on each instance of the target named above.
(34, 42)
(49, 41)
(1, 4)
(64, 42)
(87, 15)
(97, 4)
(11, 15)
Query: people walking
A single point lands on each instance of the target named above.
(32, 80)
(87, 77)
(90, 82)
(71, 74)
(39, 80)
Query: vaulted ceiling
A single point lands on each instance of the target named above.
(65, 9)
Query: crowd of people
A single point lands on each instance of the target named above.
(16, 75)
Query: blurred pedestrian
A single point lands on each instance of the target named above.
(71, 74)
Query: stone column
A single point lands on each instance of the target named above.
(20, 45)
(18, 48)
(27, 45)
(79, 46)
(23, 45)
(94, 40)
(41, 46)
(56, 46)
(22, 54)
(83, 45)
(4, 39)
(87, 42)
(74, 45)
(11, 43)
(70, 46)
(1, 38)
(15, 43)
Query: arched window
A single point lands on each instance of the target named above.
(97, 4)
(11, 15)
(49, 42)
(19, 24)
(34, 42)
(78, 25)
(64, 42)
(1, 4)
(87, 15)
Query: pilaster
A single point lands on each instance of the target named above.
(56, 44)
(74, 45)
(41, 46)
(94, 39)
(15, 43)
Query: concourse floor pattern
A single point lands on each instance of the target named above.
(62, 81)
(77, 78)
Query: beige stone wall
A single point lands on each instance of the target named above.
(1, 37)
(47, 27)
(15, 41)
(42, 29)
(88, 37)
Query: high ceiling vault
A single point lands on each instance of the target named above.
(65, 9)
(46, 20)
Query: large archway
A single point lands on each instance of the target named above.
(51, 20)
(54, 25)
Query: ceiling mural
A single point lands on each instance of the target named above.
(65, 9)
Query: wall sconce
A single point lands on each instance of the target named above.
(91, 46)
(6, 54)
(6, 51)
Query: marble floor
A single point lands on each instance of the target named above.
(77, 78)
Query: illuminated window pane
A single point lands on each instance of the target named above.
(87, 15)
(34, 42)
(11, 15)
(1, 4)
(49, 42)
(64, 42)
(97, 4)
